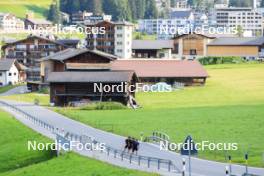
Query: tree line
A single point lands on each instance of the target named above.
(130, 10)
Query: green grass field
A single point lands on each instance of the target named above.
(21, 7)
(73, 164)
(30, 97)
(230, 108)
(13, 144)
(7, 88)
(16, 160)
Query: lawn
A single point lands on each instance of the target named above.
(13, 144)
(21, 7)
(230, 108)
(7, 88)
(15, 159)
(30, 97)
(73, 164)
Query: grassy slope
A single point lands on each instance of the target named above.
(7, 88)
(228, 109)
(13, 144)
(16, 160)
(20, 7)
(73, 164)
(29, 97)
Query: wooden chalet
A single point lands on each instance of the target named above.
(28, 52)
(72, 75)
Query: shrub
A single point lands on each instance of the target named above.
(44, 90)
(103, 106)
(211, 60)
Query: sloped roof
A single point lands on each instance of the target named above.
(180, 14)
(39, 21)
(32, 36)
(152, 44)
(72, 52)
(91, 77)
(161, 68)
(6, 64)
(68, 41)
(252, 41)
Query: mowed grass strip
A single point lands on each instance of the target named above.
(74, 165)
(21, 7)
(16, 160)
(30, 98)
(229, 108)
(14, 151)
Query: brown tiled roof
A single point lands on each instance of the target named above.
(161, 68)
(90, 77)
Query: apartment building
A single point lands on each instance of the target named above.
(78, 17)
(34, 23)
(84, 18)
(9, 22)
(29, 51)
(250, 21)
(117, 38)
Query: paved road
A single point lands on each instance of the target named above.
(199, 167)
(16, 90)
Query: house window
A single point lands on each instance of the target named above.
(15, 74)
(193, 52)
(10, 74)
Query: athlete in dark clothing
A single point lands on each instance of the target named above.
(135, 146)
(128, 144)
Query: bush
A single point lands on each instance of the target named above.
(210, 60)
(103, 106)
(44, 90)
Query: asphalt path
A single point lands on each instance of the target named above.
(199, 167)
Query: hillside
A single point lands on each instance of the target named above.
(17, 160)
(20, 7)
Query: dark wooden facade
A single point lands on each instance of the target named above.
(62, 93)
(29, 51)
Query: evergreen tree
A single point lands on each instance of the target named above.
(262, 3)
(95, 6)
(133, 8)
(141, 7)
(172, 3)
(241, 3)
(54, 13)
(119, 9)
(151, 9)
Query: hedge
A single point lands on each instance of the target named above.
(210, 60)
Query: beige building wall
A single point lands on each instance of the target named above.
(232, 51)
